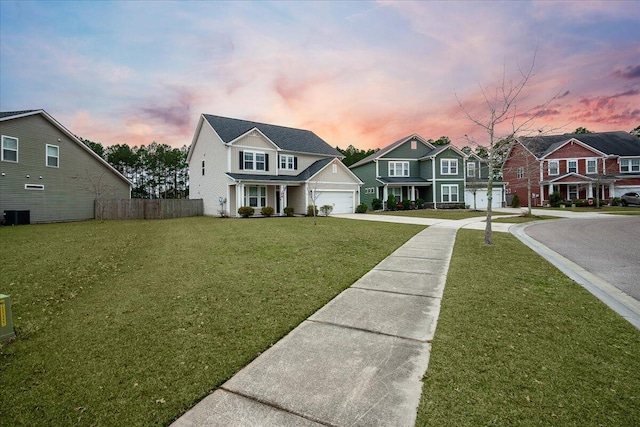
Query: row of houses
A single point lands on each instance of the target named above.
(49, 173)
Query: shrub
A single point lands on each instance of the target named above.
(267, 211)
(310, 210)
(245, 211)
(555, 199)
(392, 205)
(420, 203)
(376, 204)
(288, 211)
(616, 201)
(406, 203)
(362, 208)
(581, 203)
(515, 202)
(326, 209)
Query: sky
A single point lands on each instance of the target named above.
(356, 73)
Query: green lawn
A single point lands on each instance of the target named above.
(622, 210)
(519, 344)
(129, 323)
(454, 214)
(523, 218)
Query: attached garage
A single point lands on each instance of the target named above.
(342, 201)
(481, 198)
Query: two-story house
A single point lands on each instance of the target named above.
(47, 174)
(411, 169)
(578, 166)
(235, 163)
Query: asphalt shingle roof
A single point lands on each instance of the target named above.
(381, 152)
(301, 177)
(289, 139)
(616, 143)
(4, 114)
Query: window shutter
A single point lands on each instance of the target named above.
(279, 165)
(295, 163)
(241, 160)
(266, 162)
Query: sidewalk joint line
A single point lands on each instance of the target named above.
(324, 322)
(275, 406)
(355, 286)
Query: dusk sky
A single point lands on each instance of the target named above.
(360, 73)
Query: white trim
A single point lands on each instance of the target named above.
(46, 156)
(449, 162)
(247, 133)
(286, 158)
(17, 150)
(395, 163)
(449, 186)
(630, 165)
(557, 163)
(577, 166)
(473, 169)
(586, 165)
(37, 187)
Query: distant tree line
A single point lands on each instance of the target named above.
(157, 171)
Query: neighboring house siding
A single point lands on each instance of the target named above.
(404, 151)
(570, 151)
(369, 190)
(69, 190)
(520, 159)
(213, 184)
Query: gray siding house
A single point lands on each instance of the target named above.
(234, 163)
(49, 172)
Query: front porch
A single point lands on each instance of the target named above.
(578, 188)
(260, 194)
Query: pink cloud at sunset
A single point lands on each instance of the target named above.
(361, 73)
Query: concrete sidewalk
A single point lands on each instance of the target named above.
(358, 361)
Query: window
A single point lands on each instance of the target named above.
(471, 169)
(449, 193)
(53, 155)
(397, 193)
(554, 167)
(370, 190)
(9, 149)
(449, 166)
(572, 166)
(256, 197)
(288, 162)
(203, 168)
(253, 160)
(520, 172)
(572, 192)
(629, 165)
(414, 144)
(592, 166)
(398, 168)
(334, 168)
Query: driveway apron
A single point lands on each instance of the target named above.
(358, 361)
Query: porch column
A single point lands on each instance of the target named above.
(385, 196)
(550, 189)
(239, 198)
(413, 193)
(283, 198)
(590, 191)
(610, 191)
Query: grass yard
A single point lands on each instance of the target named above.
(519, 344)
(620, 210)
(130, 323)
(523, 218)
(454, 214)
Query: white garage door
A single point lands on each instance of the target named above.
(481, 198)
(342, 201)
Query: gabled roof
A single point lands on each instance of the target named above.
(288, 139)
(610, 143)
(381, 152)
(11, 115)
(442, 148)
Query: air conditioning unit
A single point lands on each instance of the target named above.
(6, 320)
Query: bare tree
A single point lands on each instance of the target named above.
(501, 120)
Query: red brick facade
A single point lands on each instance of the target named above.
(574, 169)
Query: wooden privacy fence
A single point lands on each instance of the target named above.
(147, 208)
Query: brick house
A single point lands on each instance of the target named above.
(578, 166)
